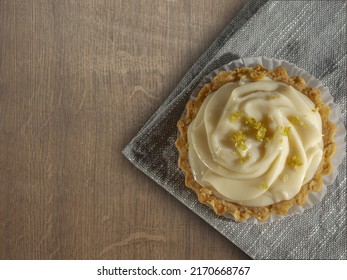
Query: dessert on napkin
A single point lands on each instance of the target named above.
(255, 142)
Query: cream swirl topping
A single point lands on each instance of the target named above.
(255, 143)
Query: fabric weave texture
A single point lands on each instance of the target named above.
(309, 34)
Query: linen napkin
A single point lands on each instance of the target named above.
(309, 34)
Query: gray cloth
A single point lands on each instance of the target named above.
(310, 34)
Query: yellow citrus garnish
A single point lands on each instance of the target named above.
(252, 123)
(264, 186)
(234, 117)
(294, 120)
(258, 126)
(285, 130)
(261, 133)
(294, 162)
(239, 140)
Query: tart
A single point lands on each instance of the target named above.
(255, 142)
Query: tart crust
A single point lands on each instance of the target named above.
(241, 213)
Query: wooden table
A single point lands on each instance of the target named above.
(78, 79)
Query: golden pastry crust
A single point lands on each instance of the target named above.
(241, 213)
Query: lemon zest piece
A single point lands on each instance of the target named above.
(294, 120)
(264, 186)
(236, 116)
(285, 130)
(258, 126)
(239, 140)
(295, 162)
(261, 133)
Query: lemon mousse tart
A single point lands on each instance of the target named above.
(255, 142)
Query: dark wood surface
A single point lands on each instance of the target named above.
(78, 79)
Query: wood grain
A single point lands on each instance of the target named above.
(78, 79)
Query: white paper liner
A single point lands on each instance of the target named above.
(335, 116)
